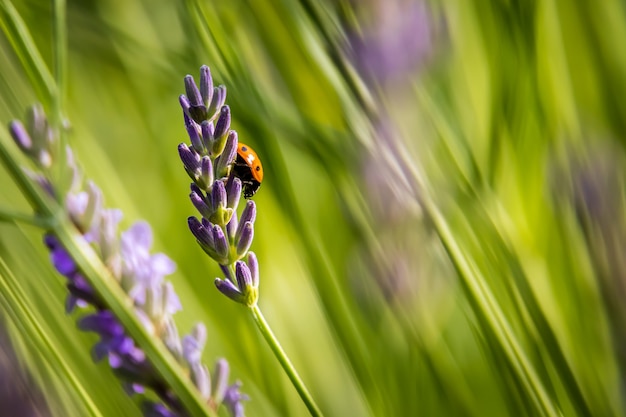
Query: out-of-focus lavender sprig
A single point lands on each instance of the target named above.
(140, 273)
(216, 191)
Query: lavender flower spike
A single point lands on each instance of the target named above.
(140, 273)
(227, 238)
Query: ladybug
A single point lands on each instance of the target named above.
(248, 169)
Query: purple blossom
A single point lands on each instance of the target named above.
(127, 255)
(233, 400)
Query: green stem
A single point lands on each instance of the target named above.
(280, 354)
(25, 48)
(18, 216)
(60, 64)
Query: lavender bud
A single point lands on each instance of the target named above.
(223, 123)
(245, 239)
(185, 105)
(253, 265)
(221, 214)
(244, 282)
(233, 191)
(193, 344)
(227, 155)
(219, 97)
(233, 399)
(202, 235)
(194, 136)
(20, 136)
(221, 245)
(206, 85)
(193, 94)
(207, 135)
(220, 380)
(200, 204)
(190, 159)
(248, 215)
(62, 261)
(244, 278)
(202, 380)
(206, 169)
(218, 195)
(229, 290)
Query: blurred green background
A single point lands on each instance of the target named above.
(441, 225)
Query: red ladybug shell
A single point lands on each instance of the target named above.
(252, 160)
(248, 169)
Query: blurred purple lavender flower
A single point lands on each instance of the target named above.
(139, 273)
(216, 191)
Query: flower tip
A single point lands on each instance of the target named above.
(229, 290)
(20, 135)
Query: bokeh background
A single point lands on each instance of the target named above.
(441, 226)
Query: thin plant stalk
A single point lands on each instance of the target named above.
(282, 357)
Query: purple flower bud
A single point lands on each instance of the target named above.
(207, 135)
(20, 136)
(206, 85)
(244, 278)
(201, 379)
(80, 294)
(185, 105)
(193, 344)
(102, 322)
(220, 380)
(62, 261)
(227, 154)
(219, 97)
(253, 265)
(200, 205)
(233, 191)
(193, 131)
(245, 239)
(229, 290)
(206, 169)
(169, 299)
(223, 123)
(51, 241)
(190, 159)
(193, 94)
(249, 213)
(218, 195)
(221, 244)
(233, 400)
